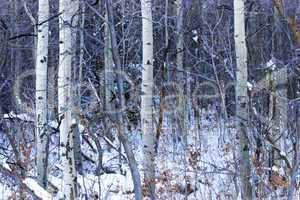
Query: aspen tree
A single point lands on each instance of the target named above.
(242, 98)
(68, 8)
(147, 94)
(41, 92)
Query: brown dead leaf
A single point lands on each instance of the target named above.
(279, 181)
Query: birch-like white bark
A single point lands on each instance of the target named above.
(242, 97)
(147, 95)
(68, 8)
(41, 92)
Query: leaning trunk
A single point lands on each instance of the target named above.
(121, 121)
(109, 78)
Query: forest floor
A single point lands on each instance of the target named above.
(205, 169)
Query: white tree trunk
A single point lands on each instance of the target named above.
(242, 97)
(146, 103)
(41, 92)
(68, 8)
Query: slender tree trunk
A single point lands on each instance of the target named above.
(16, 56)
(278, 92)
(81, 46)
(277, 100)
(121, 122)
(77, 76)
(147, 95)
(181, 74)
(41, 93)
(166, 71)
(108, 62)
(293, 24)
(108, 78)
(281, 107)
(296, 159)
(68, 8)
(242, 97)
(159, 126)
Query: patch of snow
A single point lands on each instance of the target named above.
(195, 38)
(113, 186)
(53, 124)
(250, 86)
(275, 168)
(282, 171)
(22, 116)
(282, 153)
(37, 189)
(271, 64)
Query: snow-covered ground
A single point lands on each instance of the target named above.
(203, 170)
